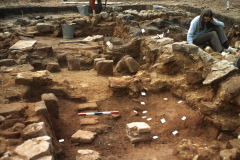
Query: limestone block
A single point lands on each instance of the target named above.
(18, 127)
(164, 41)
(43, 27)
(34, 130)
(133, 66)
(83, 136)
(87, 155)
(7, 62)
(35, 148)
(37, 79)
(96, 60)
(51, 103)
(230, 58)
(119, 82)
(89, 121)
(104, 15)
(16, 110)
(87, 106)
(12, 95)
(237, 44)
(41, 109)
(105, 67)
(73, 64)
(219, 75)
(207, 58)
(208, 49)
(53, 67)
(166, 48)
(229, 154)
(169, 59)
(141, 127)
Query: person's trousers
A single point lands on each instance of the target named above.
(216, 37)
(92, 2)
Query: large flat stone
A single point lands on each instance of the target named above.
(87, 106)
(87, 155)
(220, 75)
(140, 138)
(89, 121)
(34, 130)
(83, 136)
(15, 109)
(39, 78)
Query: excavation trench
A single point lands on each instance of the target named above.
(170, 73)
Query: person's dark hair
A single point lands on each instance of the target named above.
(205, 13)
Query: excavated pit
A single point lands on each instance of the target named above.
(166, 68)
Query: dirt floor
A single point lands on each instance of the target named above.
(111, 141)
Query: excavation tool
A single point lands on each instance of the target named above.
(97, 113)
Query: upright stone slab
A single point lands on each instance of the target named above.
(133, 66)
(87, 154)
(51, 103)
(83, 136)
(105, 67)
(74, 64)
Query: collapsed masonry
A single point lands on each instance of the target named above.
(149, 64)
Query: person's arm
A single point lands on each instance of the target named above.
(217, 23)
(192, 29)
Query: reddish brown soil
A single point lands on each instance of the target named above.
(114, 144)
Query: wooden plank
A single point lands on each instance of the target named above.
(79, 41)
(23, 44)
(108, 3)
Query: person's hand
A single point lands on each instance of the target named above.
(211, 19)
(237, 54)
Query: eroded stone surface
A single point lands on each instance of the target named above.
(87, 155)
(34, 130)
(15, 109)
(87, 106)
(35, 148)
(83, 136)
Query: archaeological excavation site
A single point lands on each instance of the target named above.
(123, 84)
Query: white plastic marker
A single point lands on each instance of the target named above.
(144, 116)
(174, 132)
(165, 99)
(142, 103)
(155, 137)
(143, 30)
(167, 31)
(183, 118)
(144, 111)
(135, 111)
(143, 93)
(163, 120)
(61, 140)
(149, 119)
(97, 113)
(180, 102)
